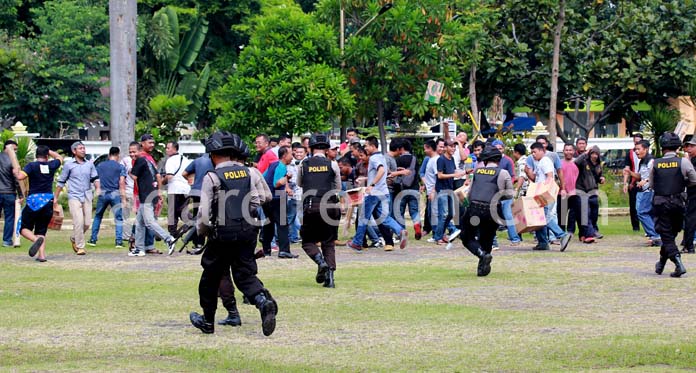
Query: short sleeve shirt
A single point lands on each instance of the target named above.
(377, 160)
(110, 173)
(446, 166)
(175, 166)
(41, 176)
(199, 168)
(543, 167)
(145, 172)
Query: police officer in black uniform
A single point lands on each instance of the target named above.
(690, 221)
(669, 177)
(230, 196)
(490, 185)
(320, 179)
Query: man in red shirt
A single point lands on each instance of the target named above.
(266, 156)
(571, 204)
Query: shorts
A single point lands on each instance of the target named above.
(37, 221)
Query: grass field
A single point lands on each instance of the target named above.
(594, 307)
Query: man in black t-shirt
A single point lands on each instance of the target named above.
(409, 195)
(148, 180)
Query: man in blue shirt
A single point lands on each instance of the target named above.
(280, 190)
(444, 188)
(376, 202)
(112, 176)
(198, 169)
(79, 176)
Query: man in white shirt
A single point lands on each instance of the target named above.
(178, 187)
(543, 172)
(127, 203)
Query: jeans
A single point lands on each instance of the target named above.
(113, 200)
(445, 211)
(375, 206)
(146, 221)
(410, 199)
(506, 206)
(645, 215)
(551, 224)
(294, 232)
(7, 205)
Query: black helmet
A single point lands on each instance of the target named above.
(670, 140)
(223, 140)
(319, 142)
(490, 154)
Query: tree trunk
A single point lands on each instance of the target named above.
(122, 29)
(473, 101)
(380, 123)
(554, 71)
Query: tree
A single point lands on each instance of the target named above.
(284, 82)
(390, 62)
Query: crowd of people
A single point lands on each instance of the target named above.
(299, 192)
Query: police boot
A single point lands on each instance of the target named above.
(329, 283)
(323, 268)
(679, 269)
(233, 318)
(268, 308)
(199, 322)
(484, 264)
(660, 265)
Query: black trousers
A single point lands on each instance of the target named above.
(632, 193)
(669, 219)
(574, 215)
(226, 292)
(690, 223)
(217, 261)
(273, 214)
(427, 224)
(195, 202)
(315, 229)
(481, 224)
(175, 208)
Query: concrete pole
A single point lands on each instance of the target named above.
(123, 82)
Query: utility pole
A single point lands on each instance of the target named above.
(124, 74)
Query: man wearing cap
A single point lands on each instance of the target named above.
(690, 218)
(78, 175)
(148, 180)
(9, 192)
(320, 179)
(444, 188)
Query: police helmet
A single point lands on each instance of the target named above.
(670, 140)
(490, 154)
(223, 140)
(319, 142)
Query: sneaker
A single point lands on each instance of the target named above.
(599, 236)
(403, 241)
(81, 252)
(417, 228)
(377, 245)
(565, 241)
(92, 243)
(431, 240)
(119, 245)
(541, 248)
(137, 252)
(555, 242)
(515, 243)
(353, 246)
(388, 248)
(5, 244)
(35, 246)
(588, 240)
(171, 245)
(454, 235)
(495, 248)
(275, 248)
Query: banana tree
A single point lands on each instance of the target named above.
(169, 54)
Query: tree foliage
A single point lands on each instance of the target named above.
(284, 81)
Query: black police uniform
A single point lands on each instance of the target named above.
(318, 175)
(479, 219)
(231, 245)
(668, 206)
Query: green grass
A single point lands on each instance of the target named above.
(594, 307)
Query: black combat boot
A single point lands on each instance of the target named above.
(323, 268)
(199, 322)
(679, 269)
(329, 282)
(268, 308)
(232, 316)
(660, 265)
(484, 264)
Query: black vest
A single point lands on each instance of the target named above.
(485, 184)
(317, 174)
(236, 183)
(667, 177)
